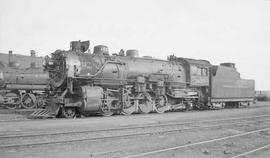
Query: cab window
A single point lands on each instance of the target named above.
(198, 71)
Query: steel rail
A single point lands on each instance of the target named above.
(194, 144)
(129, 127)
(118, 136)
(251, 151)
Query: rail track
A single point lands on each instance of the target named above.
(251, 151)
(34, 139)
(36, 133)
(153, 152)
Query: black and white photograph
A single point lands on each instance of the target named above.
(134, 78)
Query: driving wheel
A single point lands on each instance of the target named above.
(12, 100)
(106, 108)
(29, 101)
(145, 103)
(128, 106)
(161, 102)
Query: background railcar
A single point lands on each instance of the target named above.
(21, 61)
(22, 81)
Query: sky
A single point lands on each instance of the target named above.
(235, 31)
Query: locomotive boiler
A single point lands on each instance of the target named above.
(100, 83)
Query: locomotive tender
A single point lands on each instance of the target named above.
(85, 83)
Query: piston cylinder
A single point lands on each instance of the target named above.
(92, 96)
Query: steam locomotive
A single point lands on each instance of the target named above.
(99, 83)
(22, 84)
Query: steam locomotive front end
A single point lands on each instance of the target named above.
(56, 66)
(71, 65)
(71, 73)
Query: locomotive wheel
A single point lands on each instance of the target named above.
(218, 105)
(14, 102)
(128, 107)
(146, 104)
(40, 103)
(106, 109)
(11, 106)
(29, 101)
(68, 112)
(128, 110)
(244, 104)
(161, 102)
(189, 106)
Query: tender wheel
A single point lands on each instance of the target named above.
(128, 106)
(218, 105)
(200, 106)
(244, 104)
(146, 103)
(68, 112)
(161, 103)
(29, 101)
(106, 109)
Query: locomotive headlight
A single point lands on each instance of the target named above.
(47, 61)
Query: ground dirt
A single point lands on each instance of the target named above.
(257, 117)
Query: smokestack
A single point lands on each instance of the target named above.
(32, 53)
(10, 57)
